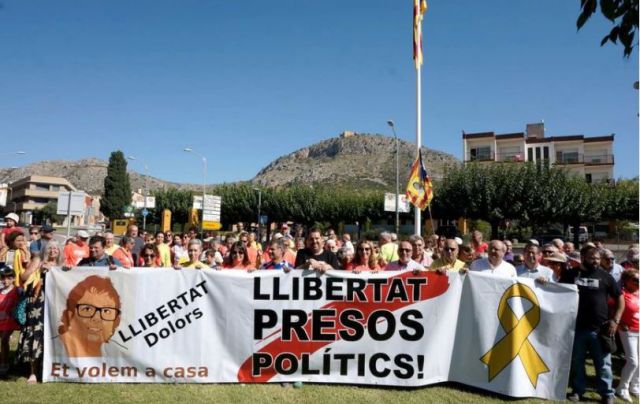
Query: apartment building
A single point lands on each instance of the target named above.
(591, 157)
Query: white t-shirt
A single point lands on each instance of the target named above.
(503, 269)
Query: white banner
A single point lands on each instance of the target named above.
(392, 328)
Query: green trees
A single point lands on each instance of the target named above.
(300, 203)
(48, 214)
(622, 13)
(117, 188)
(534, 194)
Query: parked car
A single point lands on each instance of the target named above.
(583, 234)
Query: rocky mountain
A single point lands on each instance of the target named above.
(358, 160)
(87, 175)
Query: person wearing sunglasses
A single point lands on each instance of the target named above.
(608, 263)
(419, 254)
(532, 268)
(628, 331)
(150, 256)
(365, 259)
(449, 260)
(237, 257)
(404, 261)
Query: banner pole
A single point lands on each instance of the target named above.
(417, 212)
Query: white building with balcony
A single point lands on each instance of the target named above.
(591, 157)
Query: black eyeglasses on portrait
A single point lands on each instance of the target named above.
(89, 310)
(405, 249)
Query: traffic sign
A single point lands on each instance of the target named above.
(145, 212)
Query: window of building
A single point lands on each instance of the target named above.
(530, 154)
(480, 153)
(545, 152)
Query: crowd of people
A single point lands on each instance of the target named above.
(608, 291)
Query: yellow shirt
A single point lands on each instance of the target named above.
(196, 265)
(165, 255)
(439, 263)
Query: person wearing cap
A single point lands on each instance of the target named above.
(11, 220)
(74, 252)
(532, 268)
(494, 264)
(46, 235)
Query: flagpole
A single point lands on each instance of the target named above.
(417, 212)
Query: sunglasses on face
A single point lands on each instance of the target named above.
(449, 249)
(364, 249)
(149, 255)
(34, 233)
(405, 249)
(237, 253)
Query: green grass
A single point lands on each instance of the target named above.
(16, 390)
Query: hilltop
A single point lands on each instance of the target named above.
(361, 160)
(357, 160)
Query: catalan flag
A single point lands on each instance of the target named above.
(419, 8)
(419, 189)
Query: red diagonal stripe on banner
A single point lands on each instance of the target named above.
(436, 285)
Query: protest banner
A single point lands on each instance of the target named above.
(392, 328)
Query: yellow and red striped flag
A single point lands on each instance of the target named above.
(419, 8)
(419, 188)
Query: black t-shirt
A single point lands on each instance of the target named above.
(305, 254)
(593, 287)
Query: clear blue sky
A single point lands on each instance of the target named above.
(244, 82)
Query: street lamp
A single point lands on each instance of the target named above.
(204, 183)
(259, 208)
(146, 193)
(393, 128)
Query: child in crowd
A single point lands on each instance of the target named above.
(8, 301)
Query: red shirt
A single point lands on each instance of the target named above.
(7, 304)
(630, 313)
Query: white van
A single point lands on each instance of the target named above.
(583, 234)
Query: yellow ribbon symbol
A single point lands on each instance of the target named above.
(515, 342)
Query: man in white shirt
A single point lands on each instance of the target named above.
(405, 250)
(531, 268)
(494, 263)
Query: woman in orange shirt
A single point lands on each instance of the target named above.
(123, 253)
(237, 257)
(365, 259)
